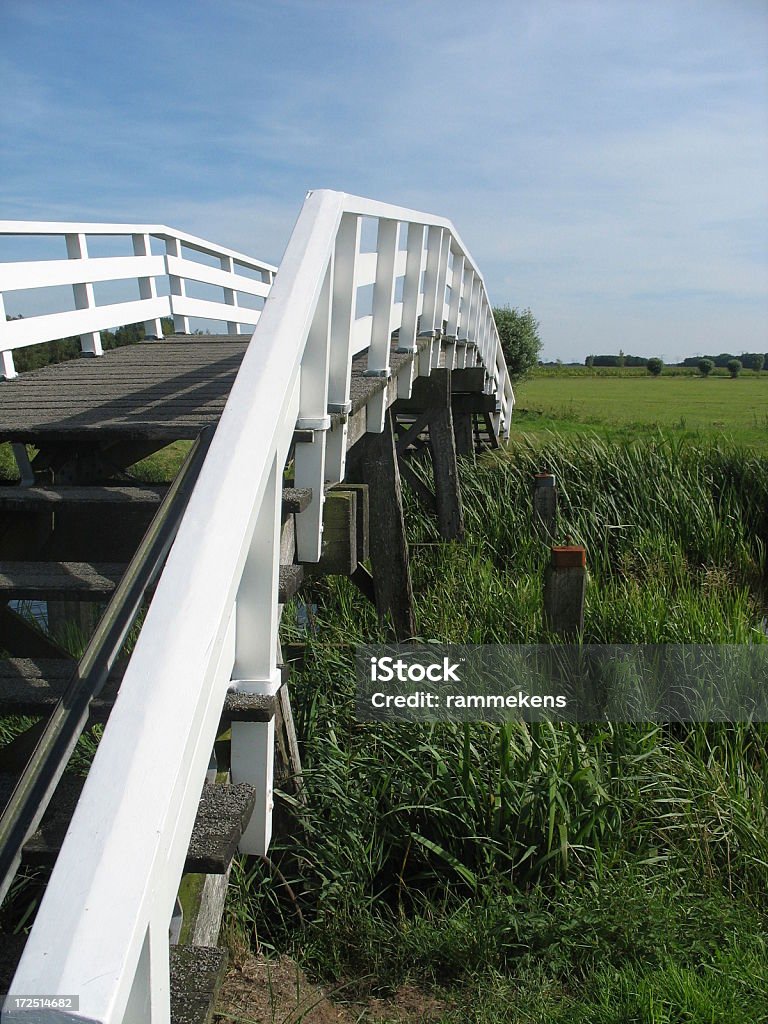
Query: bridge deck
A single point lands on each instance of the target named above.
(161, 391)
(151, 391)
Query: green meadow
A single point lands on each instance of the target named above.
(631, 403)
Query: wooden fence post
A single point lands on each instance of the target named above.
(545, 504)
(565, 588)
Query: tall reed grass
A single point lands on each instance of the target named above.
(407, 823)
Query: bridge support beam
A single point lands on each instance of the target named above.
(376, 465)
(463, 433)
(431, 403)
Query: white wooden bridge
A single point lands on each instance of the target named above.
(357, 360)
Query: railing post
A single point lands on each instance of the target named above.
(77, 249)
(177, 287)
(440, 295)
(149, 1000)
(477, 322)
(342, 314)
(255, 668)
(451, 331)
(142, 246)
(230, 295)
(406, 339)
(7, 369)
(381, 328)
(313, 415)
(429, 306)
(466, 313)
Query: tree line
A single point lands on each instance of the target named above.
(59, 351)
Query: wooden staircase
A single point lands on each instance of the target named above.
(33, 686)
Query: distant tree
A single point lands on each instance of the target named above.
(734, 367)
(622, 358)
(589, 361)
(705, 367)
(655, 366)
(520, 341)
(754, 361)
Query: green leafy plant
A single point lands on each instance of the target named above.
(519, 334)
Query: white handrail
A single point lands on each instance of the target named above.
(153, 274)
(102, 928)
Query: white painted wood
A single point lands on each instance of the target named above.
(142, 247)
(253, 760)
(30, 227)
(185, 307)
(77, 249)
(345, 257)
(191, 271)
(7, 368)
(81, 272)
(336, 452)
(429, 312)
(313, 415)
(230, 295)
(411, 288)
(383, 297)
(457, 282)
(213, 620)
(20, 333)
(177, 288)
(50, 273)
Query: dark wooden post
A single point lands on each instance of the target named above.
(463, 432)
(545, 504)
(565, 588)
(376, 465)
(434, 392)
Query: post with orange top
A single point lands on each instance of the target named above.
(545, 504)
(565, 589)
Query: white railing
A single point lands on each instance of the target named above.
(102, 928)
(161, 278)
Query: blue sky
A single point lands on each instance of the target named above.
(606, 162)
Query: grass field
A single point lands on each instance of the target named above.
(634, 404)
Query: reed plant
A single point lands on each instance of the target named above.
(576, 854)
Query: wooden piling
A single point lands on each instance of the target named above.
(565, 589)
(376, 465)
(463, 433)
(435, 393)
(545, 505)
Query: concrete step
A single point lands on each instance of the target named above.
(196, 976)
(296, 499)
(51, 581)
(14, 498)
(32, 686)
(291, 578)
(25, 499)
(222, 815)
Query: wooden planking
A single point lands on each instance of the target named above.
(154, 390)
(160, 391)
